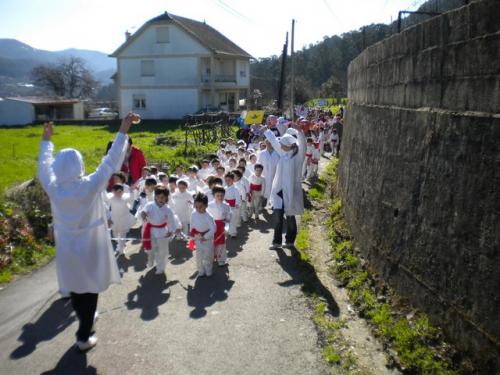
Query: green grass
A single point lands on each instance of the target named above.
(19, 146)
(26, 260)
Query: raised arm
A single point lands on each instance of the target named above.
(274, 142)
(114, 159)
(45, 157)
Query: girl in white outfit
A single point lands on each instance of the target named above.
(202, 231)
(182, 202)
(221, 212)
(121, 218)
(85, 261)
(233, 199)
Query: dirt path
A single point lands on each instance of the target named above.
(357, 338)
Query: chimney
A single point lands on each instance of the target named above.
(127, 35)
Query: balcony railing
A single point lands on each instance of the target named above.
(219, 78)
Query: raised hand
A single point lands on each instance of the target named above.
(48, 131)
(128, 121)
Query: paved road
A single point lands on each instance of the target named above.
(249, 318)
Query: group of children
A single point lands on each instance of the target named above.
(205, 205)
(202, 205)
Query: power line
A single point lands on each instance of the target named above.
(231, 10)
(327, 4)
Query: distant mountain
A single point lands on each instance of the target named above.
(17, 59)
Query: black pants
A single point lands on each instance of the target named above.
(291, 227)
(85, 306)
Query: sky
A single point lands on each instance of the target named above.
(257, 26)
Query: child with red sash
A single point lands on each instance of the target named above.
(160, 223)
(312, 166)
(221, 212)
(233, 199)
(241, 183)
(202, 232)
(309, 154)
(256, 190)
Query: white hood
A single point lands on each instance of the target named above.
(68, 166)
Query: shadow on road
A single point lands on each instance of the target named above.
(235, 245)
(149, 294)
(72, 362)
(207, 291)
(303, 273)
(179, 252)
(53, 321)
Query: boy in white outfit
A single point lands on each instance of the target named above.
(161, 224)
(221, 212)
(312, 166)
(242, 185)
(121, 218)
(202, 232)
(256, 191)
(182, 202)
(233, 199)
(307, 159)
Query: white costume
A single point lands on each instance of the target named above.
(159, 216)
(256, 193)
(287, 180)
(233, 198)
(121, 217)
(269, 161)
(84, 255)
(244, 187)
(194, 184)
(221, 212)
(204, 173)
(183, 206)
(203, 225)
(312, 166)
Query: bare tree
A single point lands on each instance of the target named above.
(69, 78)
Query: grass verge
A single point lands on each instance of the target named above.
(417, 344)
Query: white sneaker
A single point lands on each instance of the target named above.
(89, 344)
(159, 272)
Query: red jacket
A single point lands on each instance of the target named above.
(136, 162)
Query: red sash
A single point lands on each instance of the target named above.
(191, 243)
(309, 155)
(253, 187)
(231, 202)
(146, 237)
(219, 238)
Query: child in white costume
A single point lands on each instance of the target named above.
(233, 199)
(202, 231)
(242, 186)
(221, 212)
(121, 218)
(256, 191)
(161, 224)
(312, 166)
(182, 202)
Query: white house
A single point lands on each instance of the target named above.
(27, 110)
(173, 66)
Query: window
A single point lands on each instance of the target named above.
(243, 73)
(139, 101)
(147, 68)
(162, 35)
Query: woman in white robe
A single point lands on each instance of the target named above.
(286, 191)
(84, 255)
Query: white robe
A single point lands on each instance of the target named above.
(183, 206)
(287, 178)
(84, 254)
(121, 217)
(269, 161)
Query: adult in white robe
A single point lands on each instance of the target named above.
(286, 191)
(85, 261)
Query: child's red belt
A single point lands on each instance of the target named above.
(253, 187)
(146, 237)
(231, 202)
(193, 233)
(219, 237)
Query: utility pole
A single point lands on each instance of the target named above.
(282, 75)
(292, 79)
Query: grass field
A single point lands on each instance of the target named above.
(19, 146)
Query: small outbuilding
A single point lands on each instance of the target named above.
(27, 110)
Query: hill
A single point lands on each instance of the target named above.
(17, 59)
(321, 68)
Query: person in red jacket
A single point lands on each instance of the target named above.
(133, 163)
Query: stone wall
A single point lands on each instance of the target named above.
(420, 169)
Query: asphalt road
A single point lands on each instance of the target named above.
(249, 318)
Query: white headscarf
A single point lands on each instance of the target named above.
(288, 140)
(68, 166)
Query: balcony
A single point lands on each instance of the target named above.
(220, 80)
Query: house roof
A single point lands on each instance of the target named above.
(203, 33)
(42, 100)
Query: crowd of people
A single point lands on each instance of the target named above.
(202, 205)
